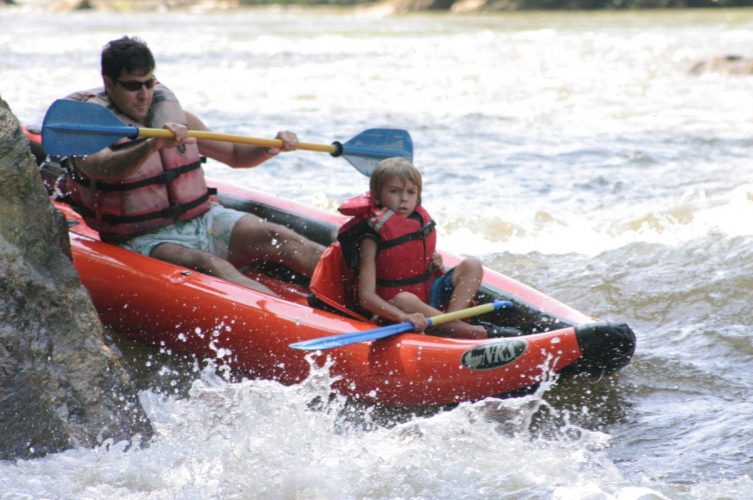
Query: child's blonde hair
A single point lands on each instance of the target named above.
(401, 168)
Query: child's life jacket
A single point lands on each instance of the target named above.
(405, 246)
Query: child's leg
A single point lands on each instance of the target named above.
(466, 280)
(409, 303)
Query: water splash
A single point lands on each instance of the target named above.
(262, 439)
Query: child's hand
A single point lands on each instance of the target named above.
(418, 320)
(436, 261)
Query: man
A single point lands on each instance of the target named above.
(149, 195)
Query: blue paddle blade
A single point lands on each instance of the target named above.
(371, 146)
(81, 128)
(352, 338)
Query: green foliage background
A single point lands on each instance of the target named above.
(532, 4)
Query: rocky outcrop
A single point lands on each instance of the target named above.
(125, 5)
(729, 64)
(61, 386)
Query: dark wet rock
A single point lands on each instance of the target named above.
(416, 5)
(61, 386)
(729, 64)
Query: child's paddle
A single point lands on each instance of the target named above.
(344, 339)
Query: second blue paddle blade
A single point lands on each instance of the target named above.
(371, 146)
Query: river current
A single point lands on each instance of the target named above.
(572, 151)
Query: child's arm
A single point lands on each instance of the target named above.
(367, 296)
(437, 264)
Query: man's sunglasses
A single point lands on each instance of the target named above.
(134, 85)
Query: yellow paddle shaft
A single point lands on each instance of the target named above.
(462, 314)
(215, 136)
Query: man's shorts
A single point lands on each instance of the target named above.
(209, 232)
(441, 290)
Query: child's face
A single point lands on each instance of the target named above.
(399, 196)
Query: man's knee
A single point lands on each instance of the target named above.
(255, 232)
(269, 241)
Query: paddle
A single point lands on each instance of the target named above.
(82, 128)
(344, 339)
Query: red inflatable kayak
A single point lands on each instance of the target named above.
(188, 312)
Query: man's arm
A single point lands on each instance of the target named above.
(165, 108)
(239, 155)
(116, 164)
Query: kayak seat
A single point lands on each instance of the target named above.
(360, 314)
(333, 286)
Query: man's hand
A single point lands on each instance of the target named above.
(289, 142)
(180, 138)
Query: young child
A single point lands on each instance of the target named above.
(390, 244)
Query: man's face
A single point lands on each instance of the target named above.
(132, 94)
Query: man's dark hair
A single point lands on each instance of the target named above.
(129, 54)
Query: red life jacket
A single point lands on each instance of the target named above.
(335, 284)
(405, 247)
(169, 185)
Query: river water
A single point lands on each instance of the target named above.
(572, 151)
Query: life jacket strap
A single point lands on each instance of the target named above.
(417, 235)
(173, 211)
(415, 280)
(163, 178)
